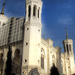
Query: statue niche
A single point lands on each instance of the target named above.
(16, 68)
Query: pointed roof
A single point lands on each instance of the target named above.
(2, 12)
(66, 34)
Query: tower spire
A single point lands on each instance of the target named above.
(66, 34)
(3, 8)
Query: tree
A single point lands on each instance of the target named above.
(8, 63)
(54, 70)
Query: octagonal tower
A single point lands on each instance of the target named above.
(32, 36)
(69, 55)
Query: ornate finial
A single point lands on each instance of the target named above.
(3, 8)
(66, 34)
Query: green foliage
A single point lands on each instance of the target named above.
(54, 70)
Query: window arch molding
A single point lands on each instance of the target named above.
(53, 59)
(17, 52)
(42, 52)
(16, 68)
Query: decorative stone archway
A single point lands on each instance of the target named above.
(16, 67)
(53, 59)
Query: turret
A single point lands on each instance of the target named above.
(33, 10)
(69, 55)
(32, 35)
(3, 18)
(68, 45)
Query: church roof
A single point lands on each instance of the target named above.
(12, 31)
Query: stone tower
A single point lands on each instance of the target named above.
(3, 18)
(32, 36)
(69, 55)
(68, 45)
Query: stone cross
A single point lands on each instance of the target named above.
(3, 8)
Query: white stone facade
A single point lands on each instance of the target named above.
(36, 52)
(3, 19)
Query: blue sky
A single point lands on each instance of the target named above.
(56, 16)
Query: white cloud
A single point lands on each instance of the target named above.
(47, 32)
(43, 27)
(67, 5)
(65, 20)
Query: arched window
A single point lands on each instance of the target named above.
(67, 48)
(1, 63)
(53, 60)
(16, 68)
(38, 13)
(29, 11)
(34, 10)
(42, 59)
(17, 53)
(64, 48)
(70, 47)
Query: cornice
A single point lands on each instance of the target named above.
(33, 24)
(34, 1)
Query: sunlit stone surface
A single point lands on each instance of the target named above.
(31, 54)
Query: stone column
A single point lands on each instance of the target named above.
(72, 49)
(36, 12)
(40, 11)
(27, 13)
(13, 51)
(63, 68)
(60, 68)
(66, 69)
(5, 59)
(31, 11)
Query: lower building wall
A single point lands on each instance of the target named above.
(4, 50)
(49, 56)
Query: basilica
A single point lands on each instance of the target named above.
(29, 50)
